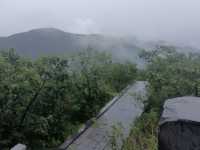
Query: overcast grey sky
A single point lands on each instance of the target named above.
(150, 19)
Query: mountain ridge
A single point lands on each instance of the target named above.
(50, 41)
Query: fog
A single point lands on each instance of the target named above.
(170, 20)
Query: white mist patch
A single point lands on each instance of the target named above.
(84, 26)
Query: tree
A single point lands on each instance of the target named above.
(43, 101)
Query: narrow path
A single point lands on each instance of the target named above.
(120, 113)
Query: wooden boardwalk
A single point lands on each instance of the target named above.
(120, 113)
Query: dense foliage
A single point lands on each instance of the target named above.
(170, 74)
(45, 100)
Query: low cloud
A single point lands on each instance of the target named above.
(84, 26)
(170, 20)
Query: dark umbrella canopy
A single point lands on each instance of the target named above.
(180, 124)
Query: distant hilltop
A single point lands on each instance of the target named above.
(51, 41)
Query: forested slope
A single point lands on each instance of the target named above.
(45, 100)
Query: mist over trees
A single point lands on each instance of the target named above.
(170, 74)
(45, 100)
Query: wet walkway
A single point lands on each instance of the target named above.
(119, 113)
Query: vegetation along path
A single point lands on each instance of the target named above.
(115, 118)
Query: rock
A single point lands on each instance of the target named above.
(19, 147)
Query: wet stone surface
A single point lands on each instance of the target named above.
(121, 115)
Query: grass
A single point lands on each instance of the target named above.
(143, 135)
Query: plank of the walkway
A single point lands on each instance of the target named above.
(120, 115)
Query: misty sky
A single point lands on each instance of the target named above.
(150, 19)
